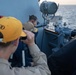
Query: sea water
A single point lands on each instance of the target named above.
(68, 12)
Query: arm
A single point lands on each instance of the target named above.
(39, 58)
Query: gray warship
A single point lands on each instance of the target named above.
(54, 38)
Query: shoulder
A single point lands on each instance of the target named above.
(28, 23)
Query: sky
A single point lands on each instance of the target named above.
(63, 2)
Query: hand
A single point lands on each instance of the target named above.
(30, 38)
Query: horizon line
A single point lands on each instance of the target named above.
(68, 4)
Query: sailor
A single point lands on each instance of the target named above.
(30, 25)
(10, 33)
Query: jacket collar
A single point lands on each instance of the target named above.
(4, 61)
